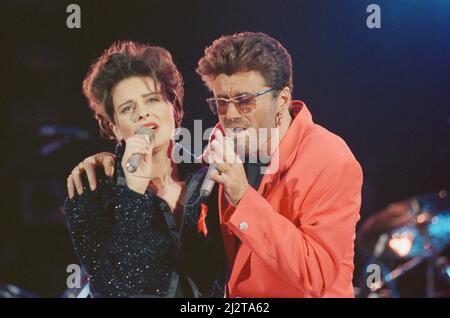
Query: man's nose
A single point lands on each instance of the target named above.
(232, 112)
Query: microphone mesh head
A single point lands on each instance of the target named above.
(146, 131)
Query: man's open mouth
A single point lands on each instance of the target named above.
(238, 130)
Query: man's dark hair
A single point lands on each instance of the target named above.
(247, 51)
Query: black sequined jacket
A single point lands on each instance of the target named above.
(131, 246)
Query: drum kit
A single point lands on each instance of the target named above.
(406, 236)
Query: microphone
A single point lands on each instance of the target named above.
(135, 159)
(208, 184)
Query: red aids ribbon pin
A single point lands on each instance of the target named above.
(201, 225)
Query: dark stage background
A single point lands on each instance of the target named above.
(385, 91)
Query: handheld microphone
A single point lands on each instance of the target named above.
(208, 184)
(136, 158)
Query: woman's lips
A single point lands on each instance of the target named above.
(153, 126)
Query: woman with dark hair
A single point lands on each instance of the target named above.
(127, 233)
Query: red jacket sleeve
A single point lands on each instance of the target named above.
(308, 256)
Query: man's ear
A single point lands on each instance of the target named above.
(284, 100)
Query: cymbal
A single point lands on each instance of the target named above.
(416, 226)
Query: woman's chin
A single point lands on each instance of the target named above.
(159, 145)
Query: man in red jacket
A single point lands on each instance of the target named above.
(290, 232)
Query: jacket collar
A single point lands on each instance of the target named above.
(284, 155)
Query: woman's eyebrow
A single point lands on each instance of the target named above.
(124, 103)
(151, 93)
(143, 95)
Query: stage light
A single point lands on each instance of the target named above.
(401, 243)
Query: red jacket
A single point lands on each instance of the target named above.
(297, 231)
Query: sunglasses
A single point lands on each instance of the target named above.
(244, 103)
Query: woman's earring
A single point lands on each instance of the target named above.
(278, 119)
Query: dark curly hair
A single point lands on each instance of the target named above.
(123, 60)
(247, 51)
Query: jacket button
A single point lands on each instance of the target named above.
(243, 226)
